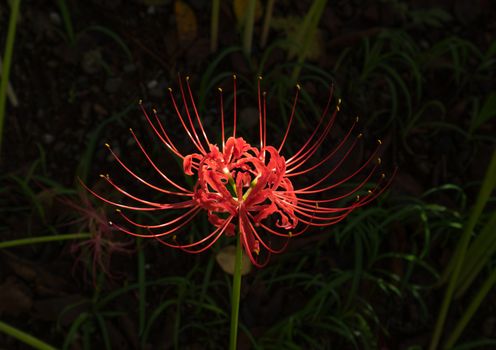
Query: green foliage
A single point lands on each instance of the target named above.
(6, 63)
(464, 265)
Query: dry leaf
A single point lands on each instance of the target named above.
(226, 256)
(187, 26)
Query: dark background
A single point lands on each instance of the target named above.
(420, 76)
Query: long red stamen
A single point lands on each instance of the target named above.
(133, 174)
(246, 189)
(293, 110)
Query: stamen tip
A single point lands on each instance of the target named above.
(140, 101)
(383, 175)
(357, 119)
(379, 141)
(264, 93)
(360, 135)
(260, 77)
(379, 160)
(339, 101)
(298, 86)
(110, 223)
(131, 129)
(187, 77)
(234, 76)
(117, 210)
(170, 89)
(107, 145)
(220, 89)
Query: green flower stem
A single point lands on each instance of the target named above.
(236, 294)
(43, 239)
(9, 48)
(24, 337)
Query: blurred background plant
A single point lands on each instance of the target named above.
(419, 75)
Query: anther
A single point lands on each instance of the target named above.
(360, 135)
(234, 76)
(256, 249)
(260, 77)
(358, 197)
(383, 175)
(370, 192)
(140, 101)
(290, 234)
(339, 101)
(187, 77)
(131, 129)
(379, 160)
(298, 86)
(117, 210)
(264, 93)
(379, 141)
(107, 145)
(170, 89)
(220, 89)
(356, 119)
(110, 223)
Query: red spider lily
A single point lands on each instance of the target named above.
(95, 253)
(246, 188)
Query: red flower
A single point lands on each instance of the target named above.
(246, 188)
(95, 253)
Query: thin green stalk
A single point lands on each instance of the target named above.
(24, 337)
(249, 23)
(472, 308)
(236, 294)
(214, 26)
(7, 58)
(43, 239)
(266, 24)
(142, 286)
(485, 192)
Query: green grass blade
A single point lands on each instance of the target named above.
(487, 187)
(471, 309)
(24, 337)
(478, 255)
(7, 58)
(43, 239)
